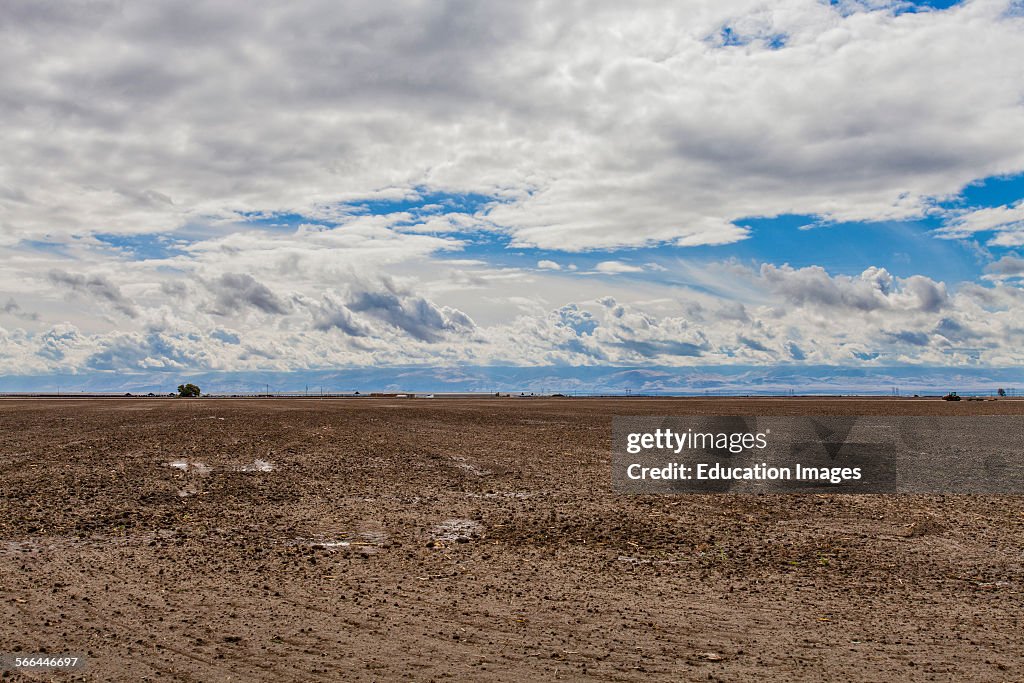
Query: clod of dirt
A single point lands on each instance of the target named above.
(189, 490)
(924, 527)
(461, 463)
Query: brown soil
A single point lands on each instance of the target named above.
(391, 539)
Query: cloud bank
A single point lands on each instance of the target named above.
(283, 187)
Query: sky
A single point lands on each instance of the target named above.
(223, 187)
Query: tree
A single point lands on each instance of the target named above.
(1002, 392)
(188, 390)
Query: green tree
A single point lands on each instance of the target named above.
(188, 390)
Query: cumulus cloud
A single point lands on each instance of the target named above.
(545, 264)
(153, 351)
(331, 314)
(872, 318)
(872, 290)
(415, 315)
(58, 341)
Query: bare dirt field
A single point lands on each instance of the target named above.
(391, 539)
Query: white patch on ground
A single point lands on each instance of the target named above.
(366, 542)
(455, 529)
(461, 463)
(257, 466)
(200, 468)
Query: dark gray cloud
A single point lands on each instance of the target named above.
(660, 347)
(418, 317)
(333, 315)
(909, 337)
(95, 286)
(874, 289)
(813, 285)
(752, 343)
(955, 331)
(236, 292)
(13, 308)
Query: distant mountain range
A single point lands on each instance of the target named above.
(732, 380)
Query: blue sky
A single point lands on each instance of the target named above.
(698, 185)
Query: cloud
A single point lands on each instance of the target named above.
(873, 318)
(1006, 267)
(135, 351)
(1006, 222)
(910, 337)
(872, 290)
(588, 125)
(236, 292)
(96, 287)
(58, 341)
(752, 343)
(226, 336)
(421, 319)
(13, 308)
(795, 352)
(333, 315)
(307, 176)
(616, 267)
(579, 321)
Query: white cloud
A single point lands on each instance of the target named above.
(236, 143)
(804, 315)
(1006, 222)
(617, 267)
(598, 126)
